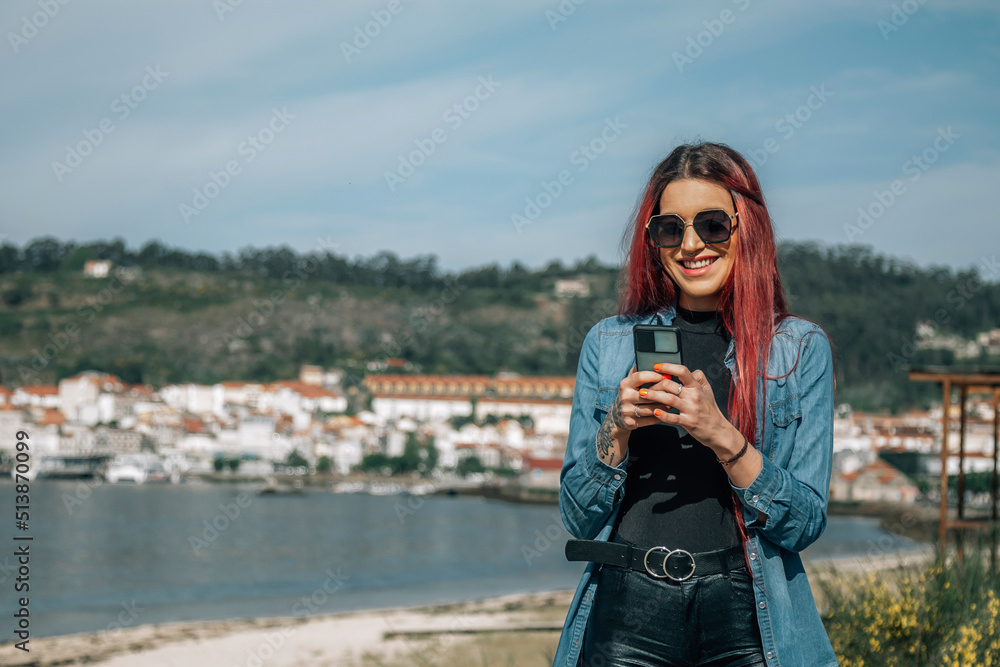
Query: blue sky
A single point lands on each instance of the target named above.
(200, 78)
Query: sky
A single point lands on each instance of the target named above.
(494, 132)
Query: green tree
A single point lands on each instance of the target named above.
(218, 463)
(376, 462)
(234, 464)
(296, 460)
(469, 465)
(324, 464)
(431, 456)
(76, 259)
(410, 460)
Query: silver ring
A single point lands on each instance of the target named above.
(645, 562)
(679, 388)
(679, 552)
(636, 410)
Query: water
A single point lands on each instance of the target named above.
(130, 555)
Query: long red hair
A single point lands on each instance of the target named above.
(754, 282)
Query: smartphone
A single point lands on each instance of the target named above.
(656, 344)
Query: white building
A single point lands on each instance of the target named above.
(79, 395)
(97, 268)
(198, 399)
(36, 395)
(547, 400)
(12, 420)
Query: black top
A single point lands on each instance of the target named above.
(677, 494)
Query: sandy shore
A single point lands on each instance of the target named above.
(518, 629)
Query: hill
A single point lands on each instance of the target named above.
(173, 316)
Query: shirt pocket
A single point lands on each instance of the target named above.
(785, 410)
(786, 414)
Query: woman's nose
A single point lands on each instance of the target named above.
(691, 243)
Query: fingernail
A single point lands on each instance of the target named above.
(656, 367)
(656, 412)
(642, 392)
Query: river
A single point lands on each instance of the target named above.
(114, 554)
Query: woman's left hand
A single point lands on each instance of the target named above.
(698, 412)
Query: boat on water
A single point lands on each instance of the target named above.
(348, 487)
(385, 489)
(273, 488)
(136, 469)
(59, 466)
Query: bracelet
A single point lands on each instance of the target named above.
(746, 443)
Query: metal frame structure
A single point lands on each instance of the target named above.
(968, 381)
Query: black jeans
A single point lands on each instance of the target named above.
(640, 621)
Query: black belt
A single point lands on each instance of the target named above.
(659, 562)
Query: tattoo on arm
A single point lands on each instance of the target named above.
(605, 443)
(616, 415)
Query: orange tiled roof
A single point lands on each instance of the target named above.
(302, 389)
(531, 462)
(41, 389)
(53, 416)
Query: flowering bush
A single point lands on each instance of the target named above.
(947, 615)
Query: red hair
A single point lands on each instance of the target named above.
(754, 282)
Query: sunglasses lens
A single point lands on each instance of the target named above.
(713, 226)
(666, 230)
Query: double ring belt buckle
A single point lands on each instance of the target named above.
(681, 562)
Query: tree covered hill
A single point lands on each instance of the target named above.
(173, 315)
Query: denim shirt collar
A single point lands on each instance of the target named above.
(666, 315)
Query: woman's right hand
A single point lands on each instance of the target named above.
(630, 409)
(628, 412)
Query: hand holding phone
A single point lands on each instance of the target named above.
(655, 344)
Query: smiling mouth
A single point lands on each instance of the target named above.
(698, 264)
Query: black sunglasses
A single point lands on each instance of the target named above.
(712, 226)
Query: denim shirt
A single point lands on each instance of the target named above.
(784, 508)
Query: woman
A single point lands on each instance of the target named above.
(693, 489)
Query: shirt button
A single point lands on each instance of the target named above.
(763, 604)
(770, 655)
(753, 556)
(618, 476)
(755, 497)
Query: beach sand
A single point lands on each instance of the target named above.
(517, 630)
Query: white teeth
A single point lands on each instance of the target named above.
(699, 264)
